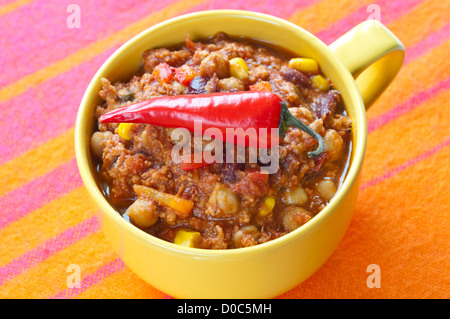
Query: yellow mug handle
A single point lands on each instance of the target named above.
(373, 55)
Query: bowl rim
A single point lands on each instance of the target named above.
(358, 150)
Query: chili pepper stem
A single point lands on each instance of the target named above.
(288, 120)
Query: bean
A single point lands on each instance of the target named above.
(142, 213)
(296, 77)
(230, 84)
(98, 142)
(223, 199)
(326, 104)
(228, 201)
(326, 189)
(296, 196)
(197, 85)
(246, 236)
(294, 217)
(334, 144)
(215, 63)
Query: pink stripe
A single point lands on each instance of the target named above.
(389, 11)
(433, 40)
(408, 105)
(18, 203)
(406, 165)
(92, 279)
(49, 248)
(38, 34)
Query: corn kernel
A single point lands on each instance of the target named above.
(238, 68)
(321, 82)
(267, 206)
(304, 65)
(124, 130)
(187, 238)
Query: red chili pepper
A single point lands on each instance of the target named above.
(246, 112)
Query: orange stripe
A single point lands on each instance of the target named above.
(36, 162)
(93, 50)
(327, 12)
(12, 6)
(407, 136)
(411, 28)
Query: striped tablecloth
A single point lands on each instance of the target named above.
(400, 230)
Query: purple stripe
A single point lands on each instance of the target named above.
(406, 165)
(389, 11)
(433, 40)
(18, 203)
(49, 248)
(92, 279)
(408, 105)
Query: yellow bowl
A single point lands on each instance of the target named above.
(369, 52)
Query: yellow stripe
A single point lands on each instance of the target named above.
(36, 162)
(93, 50)
(10, 7)
(325, 13)
(45, 223)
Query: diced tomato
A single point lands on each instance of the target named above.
(163, 73)
(185, 74)
(261, 86)
(258, 177)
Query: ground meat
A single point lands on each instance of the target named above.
(235, 204)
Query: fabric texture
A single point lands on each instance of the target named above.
(401, 226)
